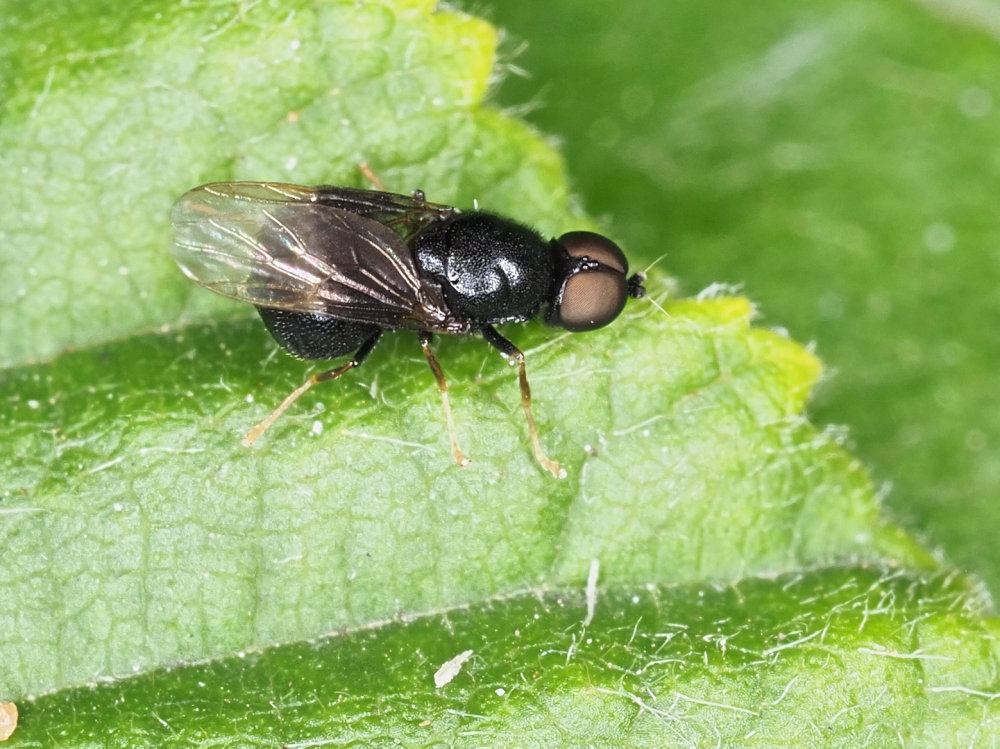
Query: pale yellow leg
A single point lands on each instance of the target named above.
(362, 353)
(536, 444)
(254, 434)
(370, 175)
(442, 383)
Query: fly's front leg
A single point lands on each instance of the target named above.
(362, 353)
(442, 383)
(514, 354)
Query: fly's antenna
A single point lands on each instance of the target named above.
(637, 291)
(648, 268)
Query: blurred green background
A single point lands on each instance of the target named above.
(840, 162)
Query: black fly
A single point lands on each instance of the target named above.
(330, 268)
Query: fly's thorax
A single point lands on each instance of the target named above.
(490, 269)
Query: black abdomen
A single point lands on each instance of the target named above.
(313, 336)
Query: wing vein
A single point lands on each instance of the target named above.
(326, 250)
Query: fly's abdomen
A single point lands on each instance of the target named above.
(310, 335)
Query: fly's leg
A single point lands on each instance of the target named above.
(368, 173)
(514, 354)
(442, 383)
(362, 353)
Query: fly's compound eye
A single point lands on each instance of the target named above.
(594, 289)
(586, 245)
(590, 300)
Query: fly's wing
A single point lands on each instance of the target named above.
(280, 246)
(405, 214)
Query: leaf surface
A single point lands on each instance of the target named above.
(835, 159)
(139, 536)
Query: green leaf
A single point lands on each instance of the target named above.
(137, 534)
(836, 159)
(832, 658)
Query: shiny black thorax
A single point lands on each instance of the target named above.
(490, 269)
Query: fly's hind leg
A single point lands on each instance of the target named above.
(442, 383)
(369, 174)
(362, 353)
(514, 354)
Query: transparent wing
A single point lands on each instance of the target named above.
(282, 246)
(405, 214)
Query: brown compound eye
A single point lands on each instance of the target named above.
(590, 300)
(595, 290)
(595, 247)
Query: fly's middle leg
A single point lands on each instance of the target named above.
(442, 383)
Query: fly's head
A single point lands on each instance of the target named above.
(592, 283)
